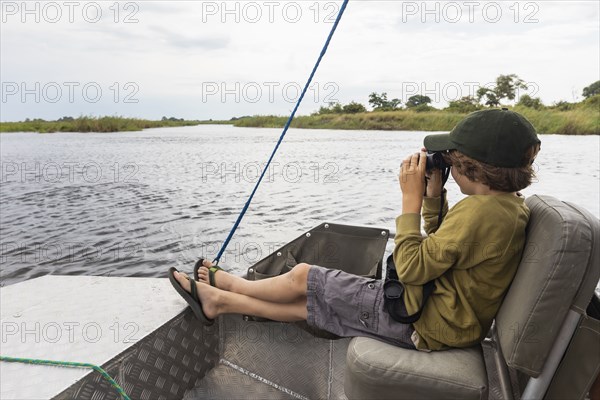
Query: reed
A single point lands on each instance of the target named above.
(577, 119)
(584, 119)
(89, 124)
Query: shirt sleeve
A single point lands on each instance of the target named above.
(419, 259)
(431, 212)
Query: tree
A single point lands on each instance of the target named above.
(377, 101)
(592, 90)
(506, 88)
(489, 96)
(354, 108)
(337, 108)
(466, 104)
(332, 108)
(417, 100)
(529, 102)
(381, 102)
(592, 103)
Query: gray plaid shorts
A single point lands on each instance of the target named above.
(349, 305)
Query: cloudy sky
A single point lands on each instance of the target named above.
(220, 59)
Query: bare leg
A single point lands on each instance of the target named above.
(234, 303)
(287, 288)
(216, 302)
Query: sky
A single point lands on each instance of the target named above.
(223, 59)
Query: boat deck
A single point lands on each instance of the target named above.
(272, 360)
(141, 332)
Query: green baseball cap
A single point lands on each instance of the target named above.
(497, 137)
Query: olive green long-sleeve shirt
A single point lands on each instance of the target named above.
(473, 257)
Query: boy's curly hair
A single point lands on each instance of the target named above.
(497, 178)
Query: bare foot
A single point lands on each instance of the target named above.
(209, 296)
(223, 280)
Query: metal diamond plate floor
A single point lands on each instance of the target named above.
(271, 360)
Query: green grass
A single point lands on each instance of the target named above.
(578, 119)
(90, 124)
(395, 120)
(584, 119)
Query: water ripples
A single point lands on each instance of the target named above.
(133, 204)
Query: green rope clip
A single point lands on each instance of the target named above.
(70, 364)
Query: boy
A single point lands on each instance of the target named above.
(471, 257)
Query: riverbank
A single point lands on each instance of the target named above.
(577, 119)
(580, 121)
(91, 124)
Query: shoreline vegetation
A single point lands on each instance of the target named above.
(578, 121)
(564, 118)
(91, 124)
(585, 121)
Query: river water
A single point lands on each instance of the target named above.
(134, 204)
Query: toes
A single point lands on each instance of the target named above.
(183, 275)
(207, 263)
(183, 280)
(203, 274)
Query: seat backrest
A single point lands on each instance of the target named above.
(559, 270)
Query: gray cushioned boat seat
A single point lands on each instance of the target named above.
(377, 370)
(558, 271)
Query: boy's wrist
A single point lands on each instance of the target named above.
(412, 205)
(432, 193)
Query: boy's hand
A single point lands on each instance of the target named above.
(412, 182)
(433, 181)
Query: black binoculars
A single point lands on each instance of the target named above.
(436, 161)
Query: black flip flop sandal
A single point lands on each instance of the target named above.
(211, 272)
(191, 298)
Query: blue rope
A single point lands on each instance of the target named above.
(285, 129)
